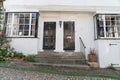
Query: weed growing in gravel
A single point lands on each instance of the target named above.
(30, 58)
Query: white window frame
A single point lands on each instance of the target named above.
(104, 27)
(12, 24)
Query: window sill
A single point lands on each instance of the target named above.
(21, 37)
(108, 38)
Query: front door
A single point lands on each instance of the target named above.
(69, 36)
(49, 35)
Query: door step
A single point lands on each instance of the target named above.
(61, 66)
(75, 58)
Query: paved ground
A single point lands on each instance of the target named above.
(15, 74)
(12, 74)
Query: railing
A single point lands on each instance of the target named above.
(82, 46)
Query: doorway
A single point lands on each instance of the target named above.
(69, 35)
(49, 35)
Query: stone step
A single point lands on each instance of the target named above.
(61, 61)
(65, 66)
(73, 55)
(61, 58)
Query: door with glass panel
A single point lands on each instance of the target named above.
(49, 35)
(69, 35)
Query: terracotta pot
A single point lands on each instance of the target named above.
(92, 57)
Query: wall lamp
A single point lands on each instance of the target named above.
(60, 23)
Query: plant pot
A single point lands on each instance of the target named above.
(92, 57)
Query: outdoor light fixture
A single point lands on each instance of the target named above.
(60, 23)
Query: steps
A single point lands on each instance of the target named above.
(62, 66)
(68, 58)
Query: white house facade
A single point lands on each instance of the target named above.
(61, 26)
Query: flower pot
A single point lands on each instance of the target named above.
(92, 57)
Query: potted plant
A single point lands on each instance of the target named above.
(92, 56)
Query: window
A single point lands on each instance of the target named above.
(21, 24)
(108, 26)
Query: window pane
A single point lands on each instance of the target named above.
(26, 20)
(108, 17)
(26, 28)
(113, 22)
(26, 33)
(100, 32)
(33, 30)
(9, 19)
(8, 30)
(33, 21)
(10, 15)
(107, 22)
(110, 32)
(15, 29)
(118, 31)
(16, 18)
(22, 15)
(21, 21)
(118, 22)
(27, 15)
(117, 17)
(101, 23)
(21, 27)
(33, 15)
(20, 33)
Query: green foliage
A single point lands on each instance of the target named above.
(30, 58)
(6, 50)
(19, 55)
(4, 45)
(2, 58)
(111, 67)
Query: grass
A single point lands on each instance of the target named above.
(47, 71)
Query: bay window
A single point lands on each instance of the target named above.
(21, 24)
(108, 26)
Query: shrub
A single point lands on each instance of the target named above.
(6, 50)
(4, 45)
(2, 58)
(30, 58)
(111, 67)
(19, 55)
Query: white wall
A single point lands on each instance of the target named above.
(108, 54)
(25, 45)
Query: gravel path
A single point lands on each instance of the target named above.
(12, 74)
